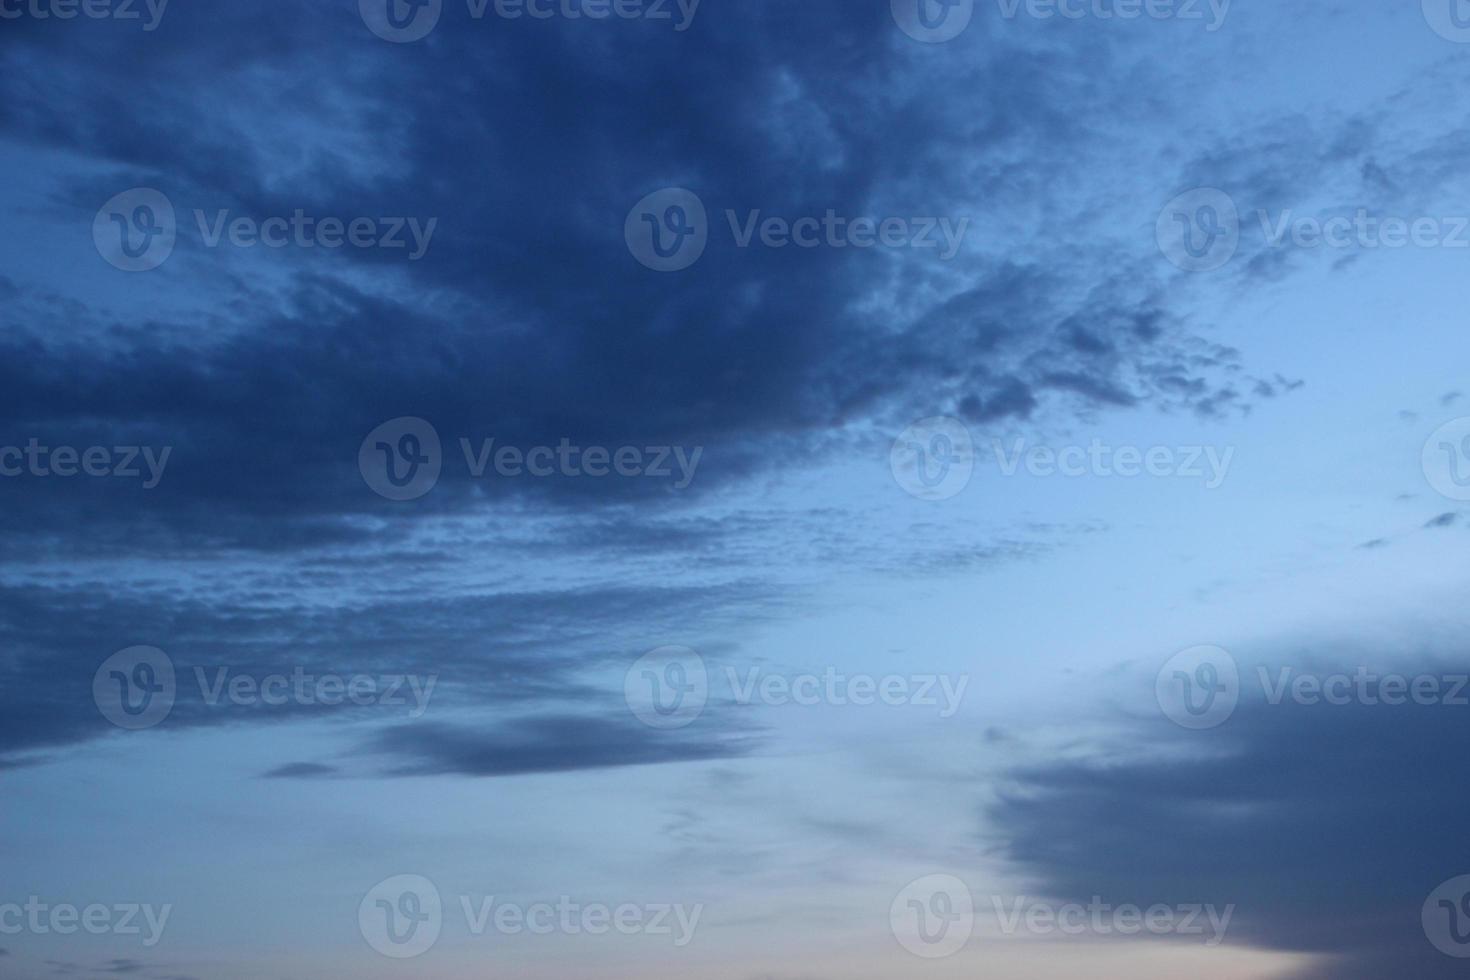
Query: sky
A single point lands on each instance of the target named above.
(734, 490)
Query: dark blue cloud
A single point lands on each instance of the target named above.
(526, 650)
(545, 744)
(302, 770)
(528, 319)
(1327, 826)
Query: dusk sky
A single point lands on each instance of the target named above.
(734, 490)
